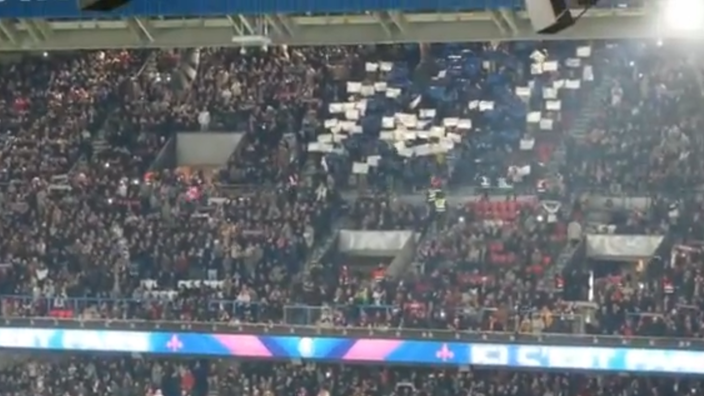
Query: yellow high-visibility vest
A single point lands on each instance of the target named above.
(440, 205)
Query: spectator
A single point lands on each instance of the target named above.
(150, 234)
(91, 228)
(447, 133)
(386, 213)
(644, 141)
(85, 375)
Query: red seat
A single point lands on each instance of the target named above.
(510, 215)
(536, 269)
(490, 213)
(481, 206)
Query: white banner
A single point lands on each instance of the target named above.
(373, 243)
(622, 247)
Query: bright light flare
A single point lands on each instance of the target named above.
(684, 15)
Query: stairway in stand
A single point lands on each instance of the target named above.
(323, 244)
(580, 127)
(579, 131)
(430, 232)
(558, 266)
(99, 142)
(593, 107)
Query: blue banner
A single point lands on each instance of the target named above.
(68, 9)
(351, 350)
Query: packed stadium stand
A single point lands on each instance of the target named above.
(463, 113)
(642, 139)
(199, 377)
(129, 376)
(521, 190)
(158, 231)
(179, 233)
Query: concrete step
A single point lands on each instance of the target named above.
(561, 262)
(580, 128)
(323, 244)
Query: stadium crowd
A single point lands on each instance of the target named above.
(643, 139)
(498, 250)
(457, 112)
(100, 375)
(96, 223)
(88, 234)
(645, 144)
(386, 213)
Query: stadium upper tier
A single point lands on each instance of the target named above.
(60, 25)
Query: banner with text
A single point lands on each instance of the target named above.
(348, 350)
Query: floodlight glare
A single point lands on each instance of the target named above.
(684, 15)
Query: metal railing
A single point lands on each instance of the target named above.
(307, 315)
(558, 329)
(383, 333)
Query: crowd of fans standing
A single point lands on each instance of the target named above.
(85, 233)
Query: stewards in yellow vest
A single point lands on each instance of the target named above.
(440, 205)
(432, 194)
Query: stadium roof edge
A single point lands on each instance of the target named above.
(378, 27)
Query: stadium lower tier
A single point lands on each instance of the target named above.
(369, 350)
(96, 375)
